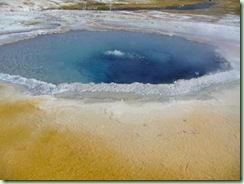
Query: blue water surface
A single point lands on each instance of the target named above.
(111, 56)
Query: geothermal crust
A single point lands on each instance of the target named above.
(87, 134)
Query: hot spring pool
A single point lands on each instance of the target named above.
(118, 57)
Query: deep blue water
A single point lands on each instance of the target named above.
(113, 56)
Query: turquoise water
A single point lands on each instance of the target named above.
(113, 56)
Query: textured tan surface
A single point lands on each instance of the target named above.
(46, 138)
